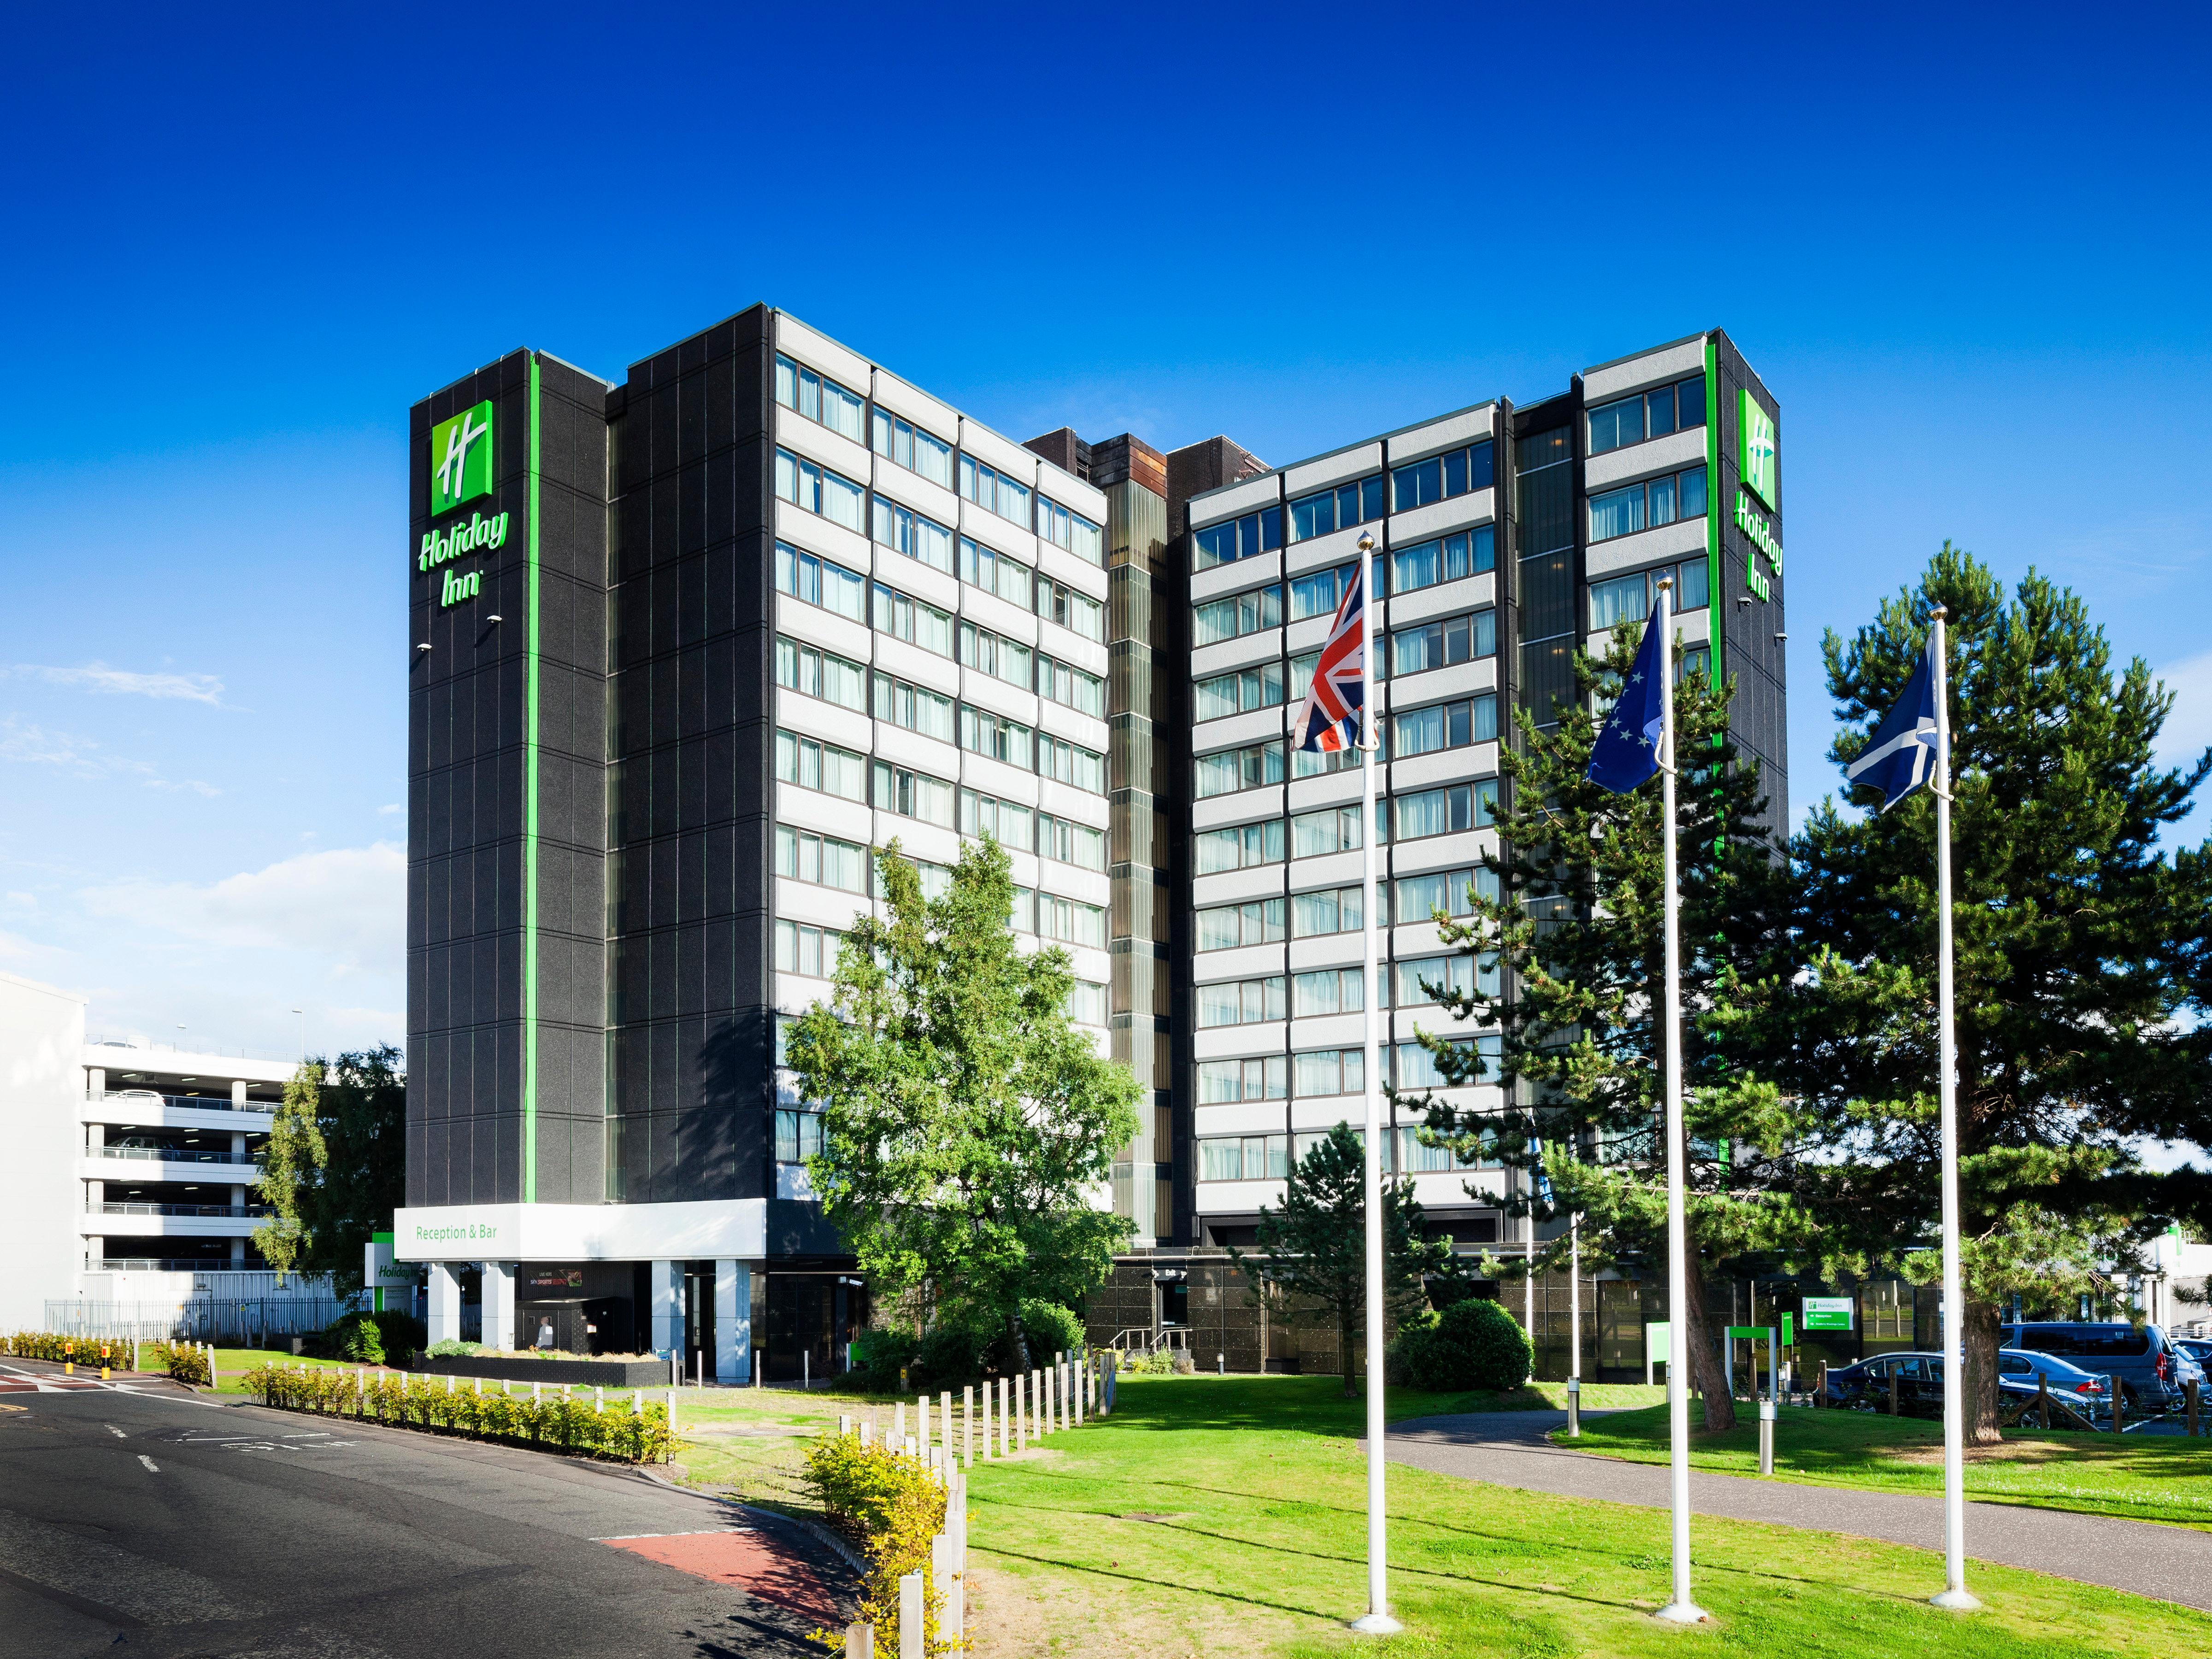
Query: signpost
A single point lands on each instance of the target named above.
(1829, 1313)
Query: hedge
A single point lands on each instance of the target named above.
(84, 1350)
(554, 1423)
(894, 1505)
(186, 1362)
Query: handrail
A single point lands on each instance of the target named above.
(242, 1211)
(174, 1155)
(183, 1102)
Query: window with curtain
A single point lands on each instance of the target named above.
(1328, 511)
(1236, 615)
(1256, 921)
(1237, 693)
(995, 572)
(813, 672)
(1239, 847)
(915, 621)
(903, 444)
(805, 391)
(811, 763)
(1439, 477)
(1007, 822)
(821, 581)
(1237, 538)
(1446, 558)
(1228, 770)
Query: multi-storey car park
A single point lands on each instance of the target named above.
(686, 647)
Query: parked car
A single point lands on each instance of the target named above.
(2142, 1359)
(1920, 1383)
(2198, 1348)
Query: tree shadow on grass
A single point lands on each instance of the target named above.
(1287, 1405)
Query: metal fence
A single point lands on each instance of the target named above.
(236, 1321)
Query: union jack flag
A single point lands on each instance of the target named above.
(1330, 720)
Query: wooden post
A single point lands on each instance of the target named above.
(1821, 1393)
(2189, 1393)
(1892, 1390)
(944, 1426)
(910, 1615)
(2043, 1397)
(921, 1425)
(2119, 1404)
(672, 1411)
(898, 1424)
(1006, 1442)
(860, 1640)
(968, 1425)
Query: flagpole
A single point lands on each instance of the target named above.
(1377, 1620)
(1955, 1594)
(1681, 1610)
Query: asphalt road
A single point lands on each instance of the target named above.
(149, 1521)
(1510, 1448)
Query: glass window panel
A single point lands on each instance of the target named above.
(1661, 496)
(1616, 513)
(1622, 599)
(1693, 588)
(1659, 411)
(1455, 469)
(1690, 402)
(1691, 489)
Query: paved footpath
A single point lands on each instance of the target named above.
(1508, 1448)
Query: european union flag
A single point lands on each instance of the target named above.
(1626, 751)
(1901, 754)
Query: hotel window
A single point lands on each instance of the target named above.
(1312, 763)
(824, 859)
(1441, 644)
(1086, 1002)
(1231, 769)
(1237, 538)
(1067, 842)
(995, 572)
(916, 707)
(818, 397)
(1322, 1072)
(1332, 830)
(821, 581)
(813, 672)
(935, 879)
(1225, 1081)
(1240, 847)
(1676, 408)
(1694, 659)
(1070, 921)
(996, 737)
(1460, 974)
(1441, 476)
(1022, 917)
(1440, 812)
(1070, 530)
(910, 446)
(811, 951)
(904, 531)
(1419, 897)
(1239, 693)
(1079, 613)
(1071, 763)
(1443, 725)
(815, 765)
(1244, 1158)
(912, 620)
(1241, 1002)
(1630, 598)
(1445, 559)
(1256, 921)
(1064, 683)
(1337, 910)
(1319, 594)
(1330, 991)
(913, 794)
(797, 1136)
(1416, 1065)
(814, 489)
(991, 653)
(1004, 822)
(1648, 505)
(1330, 510)
(1238, 615)
(994, 491)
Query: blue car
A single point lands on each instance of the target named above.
(2144, 1362)
(1919, 1378)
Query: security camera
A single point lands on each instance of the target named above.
(425, 646)
(1780, 638)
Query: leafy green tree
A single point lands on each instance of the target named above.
(336, 1168)
(967, 1123)
(2081, 949)
(1571, 908)
(1316, 1246)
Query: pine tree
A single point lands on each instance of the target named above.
(966, 1121)
(2080, 947)
(1575, 917)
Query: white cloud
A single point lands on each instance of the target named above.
(123, 682)
(2188, 731)
(391, 809)
(34, 746)
(350, 904)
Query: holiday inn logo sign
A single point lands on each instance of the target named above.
(460, 458)
(1755, 431)
(1759, 470)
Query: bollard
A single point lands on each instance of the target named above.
(805, 1368)
(898, 1423)
(534, 1386)
(599, 1401)
(844, 1425)
(910, 1605)
(1574, 1407)
(860, 1640)
(944, 1426)
(637, 1402)
(672, 1411)
(1892, 1390)
(1006, 1439)
(2043, 1397)
(1820, 1393)
(868, 1430)
(1766, 1437)
(967, 1425)
(921, 1425)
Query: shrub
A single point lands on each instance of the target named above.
(450, 1349)
(1049, 1328)
(894, 1505)
(1160, 1362)
(356, 1337)
(441, 1405)
(1473, 1343)
(951, 1352)
(186, 1362)
(402, 1335)
(881, 1353)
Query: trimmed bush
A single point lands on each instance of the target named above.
(893, 1506)
(879, 1355)
(444, 1405)
(1049, 1328)
(187, 1362)
(450, 1349)
(1473, 1343)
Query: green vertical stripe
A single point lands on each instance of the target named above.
(530, 838)
(1714, 608)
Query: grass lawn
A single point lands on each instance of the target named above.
(2166, 1478)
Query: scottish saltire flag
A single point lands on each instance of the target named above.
(1330, 720)
(1626, 751)
(1900, 756)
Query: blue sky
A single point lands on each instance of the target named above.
(1970, 261)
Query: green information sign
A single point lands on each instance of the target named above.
(1828, 1313)
(460, 458)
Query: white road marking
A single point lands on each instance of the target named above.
(117, 1432)
(152, 1468)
